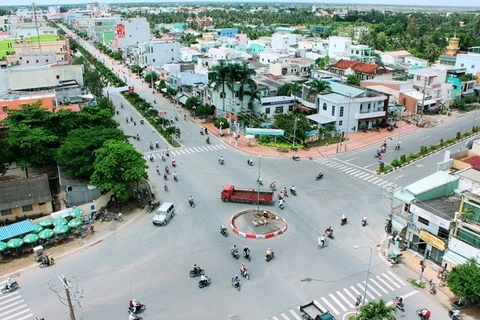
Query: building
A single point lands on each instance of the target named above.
(267, 57)
(131, 33)
(297, 66)
(189, 54)
(339, 47)
(283, 41)
(15, 101)
(417, 62)
(222, 53)
(349, 108)
(389, 87)
(203, 22)
(394, 57)
(30, 54)
(470, 61)
(32, 31)
(25, 197)
(362, 53)
(227, 32)
(271, 106)
(363, 71)
(161, 51)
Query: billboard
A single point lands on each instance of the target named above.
(120, 30)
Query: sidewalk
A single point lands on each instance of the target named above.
(409, 269)
(356, 141)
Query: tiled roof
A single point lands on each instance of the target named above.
(356, 66)
(22, 192)
(15, 229)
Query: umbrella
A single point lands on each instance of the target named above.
(45, 234)
(59, 222)
(75, 212)
(30, 238)
(15, 243)
(61, 229)
(3, 246)
(37, 228)
(46, 222)
(75, 223)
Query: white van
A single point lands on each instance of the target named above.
(163, 214)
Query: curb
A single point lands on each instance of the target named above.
(86, 245)
(254, 235)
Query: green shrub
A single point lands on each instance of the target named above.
(433, 147)
(395, 163)
(381, 166)
(423, 150)
(459, 135)
(403, 158)
(412, 156)
(222, 120)
(441, 142)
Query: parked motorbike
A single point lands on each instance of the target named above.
(44, 263)
(204, 283)
(296, 158)
(197, 273)
(141, 121)
(13, 287)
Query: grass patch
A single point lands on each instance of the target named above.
(416, 284)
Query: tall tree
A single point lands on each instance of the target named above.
(295, 126)
(233, 76)
(246, 82)
(376, 310)
(288, 89)
(117, 167)
(463, 280)
(318, 86)
(218, 77)
(94, 82)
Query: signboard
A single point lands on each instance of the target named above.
(120, 30)
(267, 132)
(432, 240)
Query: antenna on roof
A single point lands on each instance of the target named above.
(36, 25)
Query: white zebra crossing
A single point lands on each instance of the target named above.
(341, 301)
(157, 154)
(13, 307)
(357, 173)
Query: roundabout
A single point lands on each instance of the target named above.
(258, 224)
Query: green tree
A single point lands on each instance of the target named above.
(149, 75)
(5, 155)
(353, 80)
(322, 63)
(463, 280)
(288, 89)
(245, 75)
(218, 77)
(295, 126)
(205, 110)
(136, 69)
(77, 151)
(117, 167)
(318, 86)
(191, 102)
(254, 95)
(94, 82)
(376, 310)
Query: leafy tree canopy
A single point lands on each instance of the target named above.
(286, 122)
(376, 310)
(117, 167)
(463, 281)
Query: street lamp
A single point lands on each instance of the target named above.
(294, 131)
(368, 270)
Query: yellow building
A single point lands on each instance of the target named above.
(36, 55)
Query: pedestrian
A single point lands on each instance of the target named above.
(439, 273)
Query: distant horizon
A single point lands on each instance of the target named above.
(406, 3)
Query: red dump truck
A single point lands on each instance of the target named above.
(230, 193)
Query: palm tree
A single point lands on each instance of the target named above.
(289, 89)
(218, 77)
(318, 86)
(245, 78)
(233, 76)
(376, 310)
(254, 94)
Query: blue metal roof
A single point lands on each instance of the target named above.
(15, 229)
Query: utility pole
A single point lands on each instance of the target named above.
(67, 292)
(294, 131)
(423, 99)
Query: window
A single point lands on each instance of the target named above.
(340, 122)
(36, 61)
(4, 109)
(57, 76)
(267, 110)
(278, 109)
(418, 77)
(28, 61)
(46, 60)
(325, 106)
(290, 108)
(443, 233)
(333, 110)
(462, 65)
(27, 208)
(341, 111)
(172, 49)
(424, 221)
(473, 66)
(6, 212)
(153, 60)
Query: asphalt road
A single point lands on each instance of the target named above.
(152, 263)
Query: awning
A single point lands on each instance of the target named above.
(403, 196)
(398, 225)
(183, 99)
(60, 214)
(164, 90)
(454, 258)
(429, 102)
(303, 108)
(15, 229)
(318, 118)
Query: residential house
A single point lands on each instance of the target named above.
(189, 54)
(30, 54)
(25, 197)
(296, 66)
(339, 47)
(363, 71)
(131, 33)
(184, 81)
(161, 51)
(390, 87)
(349, 108)
(222, 53)
(469, 61)
(267, 57)
(227, 32)
(415, 62)
(394, 57)
(361, 53)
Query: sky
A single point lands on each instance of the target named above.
(457, 3)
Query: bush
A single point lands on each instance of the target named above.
(441, 142)
(381, 167)
(395, 163)
(423, 150)
(403, 158)
(412, 156)
(433, 147)
(222, 120)
(458, 136)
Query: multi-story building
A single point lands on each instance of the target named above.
(161, 51)
(189, 54)
(469, 61)
(339, 47)
(131, 32)
(30, 54)
(349, 108)
(296, 66)
(227, 32)
(267, 57)
(394, 57)
(361, 53)
(222, 53)
(362, 70)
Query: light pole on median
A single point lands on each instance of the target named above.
(368, 271)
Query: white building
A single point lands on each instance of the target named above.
(27, 32)
(339, 47)
(394, 57)
(274, 105)
(222, 53)
(414, 61)
(132, 33)
(469, 61)
(189, 54)
(159, 52)
(432, 80)
(267, 57)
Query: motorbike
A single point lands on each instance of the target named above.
(151, 147)
(234, 254)
(126, 120)
(433, 290)
(131, 118)
(44, 263)
(247, 256)
(117, 112)
(157, 145)
(175, 178)
(176, 118)
(330, 234)
(364, 222)
(121, 105)
(319, 176)
(454, 314)
(250, 163)
(201, 132)
(165, 187)
(236, 284)
(293, 191)
(320, 244)
(163, 158)
(207, 141)
(221, 161)
(155, 101)
(245, 274)
(377, 156)
(260, 182)
(269, 257)
(174, 164)
(296, 158)
(197, 273)
(140, 308)
(138, 137)
(420, 314)
(398, 304)
(281, 205)
(343, 221)
(397, 147)
(192, 203)
(13, 287)
(224, 232)
(141, 121)
(204, 283)
(151, 158)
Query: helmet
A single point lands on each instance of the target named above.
(8, 279)
(195, 265)
(269, 249)
(246, 247)
(234, 245)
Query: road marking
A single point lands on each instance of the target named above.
(385, 283)
(371, 288)
(284, 316)
(414, 292)
(337, 302)
(196, 150)
(349, 294)
(368, 177)
(372, 178)
(366, 167)
(379, 286)
(28, 316)
(399, 177)
(346, 169)
(14, 309)
(11, 298)
(342, 167)
(319, 305)
(450, 128)
(363, 289)
(295, 315)
(344, 299)
(357, 292)
(398, 279)
(330, 306)
(393, 282)
(351, 159)
(16, 314)
(187, 151)
(274, 318)
(381, 184)
(423, 138)
(351, 170)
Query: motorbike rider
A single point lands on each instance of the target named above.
(221, 160)
(157, 144)
(344, 218)
(234, 250)
(399, 301)
(284, 191)
(174, 162)
(260, 181)
(163, 156)
(190, 200)
(280, 203)
(364, 219)
(273, 185)
(243, 269)
(236, 280)
(426, 313)
(454, 314)
(292, 189)
(250, 162)
(295, 156)
(167, 171)
(203, 279)
(208, 140)
(196, 268)
(8, 284)
(320, 175)
(321, 240)
(246, 251)
(432, 286)
(270, 253)
(329, 231)
(223, 229)
(151, 158)
(133, 305)
(175, 175)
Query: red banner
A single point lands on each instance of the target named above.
(120, 30)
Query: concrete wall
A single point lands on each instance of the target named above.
(37, 78)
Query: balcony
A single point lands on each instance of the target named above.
(370, 115)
